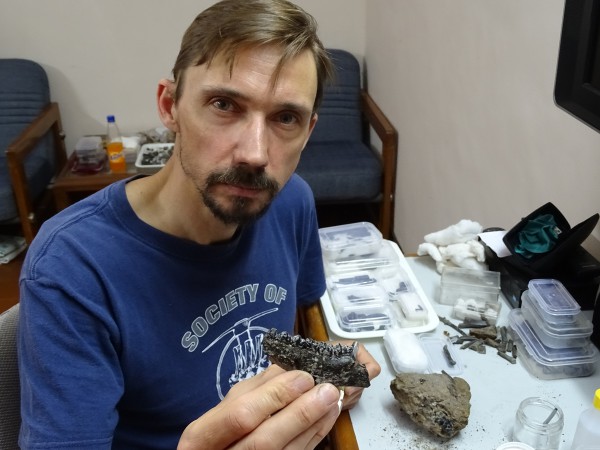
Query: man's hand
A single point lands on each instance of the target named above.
(353, 394)
(273, 410)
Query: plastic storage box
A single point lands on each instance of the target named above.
(458, 283)
(575, 333)
(553, 301)
(549, 363)
(383, 259)
(365, 317)
(355, 240)
(359, 295)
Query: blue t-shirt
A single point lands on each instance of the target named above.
(128, 334)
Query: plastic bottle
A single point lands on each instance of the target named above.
(114, 146)
(587, 434)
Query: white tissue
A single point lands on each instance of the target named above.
(405, 351)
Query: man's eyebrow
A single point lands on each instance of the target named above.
(214, 91)
(301, 109)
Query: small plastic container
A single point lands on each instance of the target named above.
(395, 284)
(90, 147)
(384, 260)
(412, 307)
(539, 423)
(545, 362)
(153, 157)
(358, 318)
(351, 279)
(353, 240)
(554, 302)
(483, 287)
(569, 334)
(90, 155)
(473, 310)
(441, 354)
(358, 295)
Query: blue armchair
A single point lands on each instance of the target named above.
(339, 163)
(32, 149)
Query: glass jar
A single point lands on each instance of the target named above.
(539, 423)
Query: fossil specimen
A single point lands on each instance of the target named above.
(437, 402)
(327, 363)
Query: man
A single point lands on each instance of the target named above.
(143, 306)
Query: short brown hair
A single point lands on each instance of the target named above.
(230, 25)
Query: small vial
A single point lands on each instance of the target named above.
(539, 423)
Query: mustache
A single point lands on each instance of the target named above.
(245, 177)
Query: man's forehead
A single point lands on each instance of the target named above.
(257, 64)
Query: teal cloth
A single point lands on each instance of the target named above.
(538, 236)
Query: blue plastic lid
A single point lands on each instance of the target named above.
(110, 119)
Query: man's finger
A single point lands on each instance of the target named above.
(300, 425)
(246, 409)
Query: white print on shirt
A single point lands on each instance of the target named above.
(245, 347)
(230, 301)
(244, 340)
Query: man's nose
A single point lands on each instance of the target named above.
(253, 148)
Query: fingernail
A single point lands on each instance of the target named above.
(328, 393)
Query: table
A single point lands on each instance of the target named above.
(497, 388)
(69, 187)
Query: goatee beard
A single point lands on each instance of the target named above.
(239, 212)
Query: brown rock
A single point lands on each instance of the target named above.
(437, 402)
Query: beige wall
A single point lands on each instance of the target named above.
(467, 83)
(106, 57)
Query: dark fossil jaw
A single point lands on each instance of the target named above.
(327, 363)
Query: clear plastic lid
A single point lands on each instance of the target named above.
(478, 280)
(350, 240)
(553, 298)
(384, 259)
(88, 144)
(351, 279)
(441, 354)
(545, 355)
(579, 326)
(359, 295)
(364, 318)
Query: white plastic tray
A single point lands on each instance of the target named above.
(147, 148)
(432, 317)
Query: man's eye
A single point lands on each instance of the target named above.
(287, 118)
(222, 104)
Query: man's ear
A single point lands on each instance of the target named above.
(167, 109)
(311, 127)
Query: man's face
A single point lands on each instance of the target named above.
(239, 137)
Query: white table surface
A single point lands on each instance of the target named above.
(497, 388)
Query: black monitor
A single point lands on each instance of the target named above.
(577, 88)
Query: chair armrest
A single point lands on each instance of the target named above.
(18, 149)
(48, 118)
(388, 135)
(312, 325)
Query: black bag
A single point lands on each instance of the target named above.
(567, 241)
